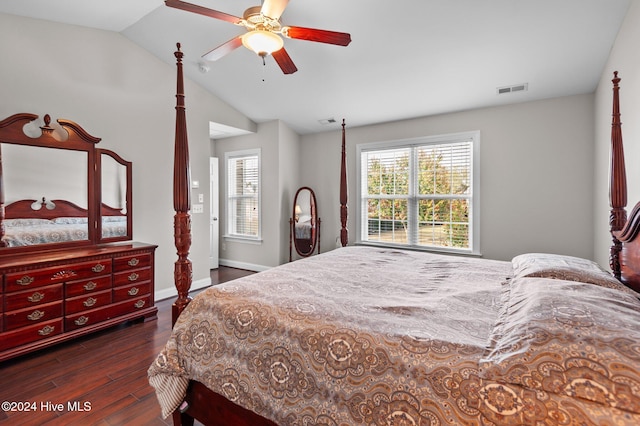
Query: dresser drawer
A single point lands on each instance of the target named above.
(128, 263)
(32, 315)
(41, 277)
(87, 286)
(131, 291)
(88, 318)
(132, 305)
(86, 302)
(130, 277)
(33, 297)
(31, 333)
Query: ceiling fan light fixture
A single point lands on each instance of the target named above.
(262, 42)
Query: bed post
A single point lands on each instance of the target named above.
(181, 199)
(344, 232)
(617, 182)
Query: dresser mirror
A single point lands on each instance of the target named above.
(115, 196)
(304, 230)
(54, 192)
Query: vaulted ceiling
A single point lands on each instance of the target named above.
(407, 58)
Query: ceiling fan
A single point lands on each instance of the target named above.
(264, 30)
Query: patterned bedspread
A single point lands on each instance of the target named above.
(25, 232)
(379, 336)
(303, 229)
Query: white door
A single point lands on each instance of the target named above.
(213, 219)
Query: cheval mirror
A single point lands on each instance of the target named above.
(304, 229)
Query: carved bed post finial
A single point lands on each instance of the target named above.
(344, 232)
(617, 181)
(181, 198)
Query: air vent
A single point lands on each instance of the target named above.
(327, 121)
(512, 89)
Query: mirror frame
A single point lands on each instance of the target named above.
(315, 229)
(105, 209)
(12, 131)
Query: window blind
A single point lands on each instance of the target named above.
(243, 195)
(418, 195)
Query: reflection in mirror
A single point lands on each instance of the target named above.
(305, 224)
(115, 196)
(45, 195)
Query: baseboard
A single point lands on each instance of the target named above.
(243, 265)
(172, 292)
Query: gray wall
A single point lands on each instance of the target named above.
(289, 173)
(279, 173)
(536, 173)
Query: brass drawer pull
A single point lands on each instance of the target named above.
(35, 315)
(26, 280)
(81, 321)
(133, 262)
(133, 276)
(35, 297)
(90, 286)
(89, 302)
(139, 304)
(46, 330)
(98, 268)
(133, 291)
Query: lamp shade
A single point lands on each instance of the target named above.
(262, 42)
(298, 209)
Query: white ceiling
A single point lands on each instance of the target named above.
(408, 58)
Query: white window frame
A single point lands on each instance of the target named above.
(230, 235)
(474, 205)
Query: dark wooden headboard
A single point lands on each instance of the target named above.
(624, 256)
(48, 209)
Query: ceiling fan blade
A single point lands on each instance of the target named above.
(321, 36)
(223, 49)
(273, 8)
(284, 61)
(202, 11)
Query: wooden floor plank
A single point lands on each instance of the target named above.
(108, 369)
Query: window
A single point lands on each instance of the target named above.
(243, 194)
(420, 193)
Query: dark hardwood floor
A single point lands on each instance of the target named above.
(99, 379)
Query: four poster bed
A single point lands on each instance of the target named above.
(543, 339)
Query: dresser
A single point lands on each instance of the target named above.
(52, 296)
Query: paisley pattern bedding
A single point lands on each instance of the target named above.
(24, 232)
(364, 335)
(586, 345)
(303, 229)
